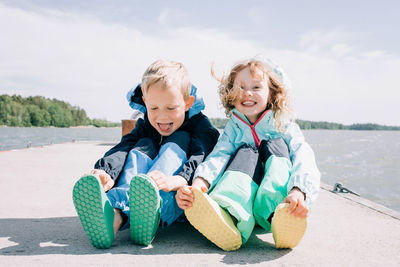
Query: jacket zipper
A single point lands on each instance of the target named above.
(253, 127)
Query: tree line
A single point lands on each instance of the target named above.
(310, 125)
(39, 111)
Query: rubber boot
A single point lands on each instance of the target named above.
(94, 210)
(235, 192)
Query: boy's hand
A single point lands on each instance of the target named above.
(297, 204)
(167, 183)
(184, 196)
(105, 179)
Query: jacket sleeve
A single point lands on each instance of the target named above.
(216, 162)
(305, 174)
(114, 160)
(203, 138)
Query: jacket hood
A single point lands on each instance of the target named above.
(135, 100)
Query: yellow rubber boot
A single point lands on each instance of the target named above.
(287, 229)
(213, 222)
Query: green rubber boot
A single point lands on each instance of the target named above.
(235, 192)
(94, 211)
(144, 208)
(272, 190)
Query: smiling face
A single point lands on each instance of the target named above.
(254, 94)
(166, 107)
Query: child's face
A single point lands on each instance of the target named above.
(254, 97)
(166, 108)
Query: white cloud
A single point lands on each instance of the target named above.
(92, 64)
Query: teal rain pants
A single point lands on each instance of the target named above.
(253, 184)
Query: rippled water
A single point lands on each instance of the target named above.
(367, 162)
(18, 137)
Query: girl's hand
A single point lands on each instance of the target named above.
(185, 197)
(105, 179)
(297, 204)
(167, 183)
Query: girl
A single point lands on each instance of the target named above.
(260, 161)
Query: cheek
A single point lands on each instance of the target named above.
(264, 96)
(179, 115)
(151, 116)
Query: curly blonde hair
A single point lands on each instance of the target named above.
(278, 100)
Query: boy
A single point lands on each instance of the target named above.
(142, 173)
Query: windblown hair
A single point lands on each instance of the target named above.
(169, 73)
(278, 99)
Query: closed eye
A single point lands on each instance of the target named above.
(153, 108)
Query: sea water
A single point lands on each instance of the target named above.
(367, 162)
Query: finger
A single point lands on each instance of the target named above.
(109, 185)
(304, 209)
(186, 190)
(292, 205)
(301, 210)
(160, 185)
(185, 204)
(300, 213)
(204, 189)
(186, 198)
(304, 213)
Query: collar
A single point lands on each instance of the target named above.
(252, 126)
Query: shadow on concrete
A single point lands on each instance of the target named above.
(65, 235)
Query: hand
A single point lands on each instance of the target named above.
(297, 204)
(184, 196)
(167, 183)
(105, 179)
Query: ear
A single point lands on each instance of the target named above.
(144, 100)
(189, 102)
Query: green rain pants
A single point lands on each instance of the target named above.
(238, 191)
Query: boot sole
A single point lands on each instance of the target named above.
(94, 210)
(287, 229)
(213, 222)
(144, 206)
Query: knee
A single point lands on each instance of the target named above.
(181, 138)
(146, 146)
(247, 149)
(276, 147)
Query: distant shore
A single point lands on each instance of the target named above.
(221, 122)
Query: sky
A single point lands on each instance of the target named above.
(342, 57)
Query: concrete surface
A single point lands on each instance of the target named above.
(39, 226)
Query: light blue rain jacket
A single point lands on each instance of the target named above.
(304, 175)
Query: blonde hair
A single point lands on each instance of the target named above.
(169, 73)
(278, 100)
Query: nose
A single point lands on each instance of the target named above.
(246, 92)
(162, 116)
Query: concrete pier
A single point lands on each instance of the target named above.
(39, 225)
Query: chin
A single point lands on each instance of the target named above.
(165, 133)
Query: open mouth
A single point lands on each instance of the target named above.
(248, 103)
(165, 127)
